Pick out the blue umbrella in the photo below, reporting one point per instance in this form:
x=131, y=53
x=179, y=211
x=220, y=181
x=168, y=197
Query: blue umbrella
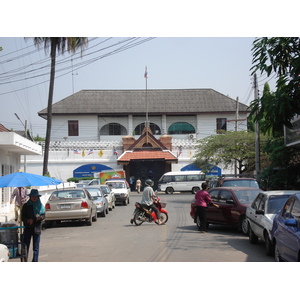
x=20, y=179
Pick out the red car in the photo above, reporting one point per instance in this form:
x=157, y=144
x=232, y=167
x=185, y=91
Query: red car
x=233, y=202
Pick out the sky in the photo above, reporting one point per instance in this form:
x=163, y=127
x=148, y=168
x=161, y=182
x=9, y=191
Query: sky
x=219, y=63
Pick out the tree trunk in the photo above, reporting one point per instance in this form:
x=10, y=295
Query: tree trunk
x=49, y=108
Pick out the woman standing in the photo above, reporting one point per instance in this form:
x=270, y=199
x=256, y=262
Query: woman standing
x=202, y=201
x=33, y=213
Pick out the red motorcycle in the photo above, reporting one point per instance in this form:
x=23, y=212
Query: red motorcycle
x=143, y=213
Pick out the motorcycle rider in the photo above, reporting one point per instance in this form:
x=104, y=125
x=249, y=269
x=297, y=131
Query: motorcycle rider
x=149, y=198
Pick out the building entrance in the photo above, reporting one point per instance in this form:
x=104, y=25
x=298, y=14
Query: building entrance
x=145, y=169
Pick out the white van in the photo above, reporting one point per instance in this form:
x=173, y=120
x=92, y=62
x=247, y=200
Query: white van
x=183, y=181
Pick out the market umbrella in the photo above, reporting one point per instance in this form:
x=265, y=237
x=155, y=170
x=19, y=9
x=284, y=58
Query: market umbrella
x=20, y=179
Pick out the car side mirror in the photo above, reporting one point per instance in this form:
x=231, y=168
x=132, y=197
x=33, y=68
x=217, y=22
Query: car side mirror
x=291, y=222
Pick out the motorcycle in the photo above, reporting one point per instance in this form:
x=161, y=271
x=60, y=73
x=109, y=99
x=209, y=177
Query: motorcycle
x=143, y=213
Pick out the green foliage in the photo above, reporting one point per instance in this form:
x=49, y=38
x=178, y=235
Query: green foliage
x=226, y=149
x=38, y=139
x=282, y=57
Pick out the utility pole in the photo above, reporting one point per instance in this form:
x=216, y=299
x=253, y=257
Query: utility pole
x=236, y=129
x=257, y=137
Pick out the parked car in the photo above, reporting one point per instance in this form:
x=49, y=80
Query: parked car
x=232, y=181
x=109, y=195
x=233, y=202
x=286, y=231
x=261, y=213
x=73, y=204
x=4, y=253
x=121, y=190
x=99, y=200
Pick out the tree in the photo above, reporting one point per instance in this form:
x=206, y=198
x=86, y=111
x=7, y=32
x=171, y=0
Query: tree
x=281, y=56
x=226, y=149
x=57, y=45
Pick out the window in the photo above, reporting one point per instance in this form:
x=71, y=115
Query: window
x=113, y=129
x=221, y=125
x=286, y=213
x=154, y=128
x=214, y=195
x=296, y=211
x=180, y=178
x=73, y=128
x=224, y=196
x=256, y=202
x=181, y=128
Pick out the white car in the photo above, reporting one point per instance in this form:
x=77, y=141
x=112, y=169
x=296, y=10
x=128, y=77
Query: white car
x=121, y=190
x=4, y=253
x=109, y=195
x=261, y=213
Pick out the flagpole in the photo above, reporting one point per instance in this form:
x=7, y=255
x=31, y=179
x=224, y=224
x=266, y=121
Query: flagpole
x=146, y=77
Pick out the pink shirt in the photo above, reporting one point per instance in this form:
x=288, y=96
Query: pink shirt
x=202, y=198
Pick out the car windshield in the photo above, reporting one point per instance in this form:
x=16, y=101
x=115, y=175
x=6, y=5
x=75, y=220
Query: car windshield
x=246, y=196
x=105, y=189
x=67, y=194
x=275, y=203
x=117, y=185
x=247, y=183
x=94, y=192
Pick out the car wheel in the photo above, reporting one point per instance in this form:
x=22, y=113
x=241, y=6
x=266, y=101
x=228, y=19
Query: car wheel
x=89, y=220
x=103, y=214
x=169, y=191
x=195, y=190
x=253, y=239
x=244, y=225
x=125, y=202
x=277, y=254
x=198, y=223
x=268, y=244
x=95, y=217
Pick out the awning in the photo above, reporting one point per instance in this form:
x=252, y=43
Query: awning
x=215, y=171
x=163, y=155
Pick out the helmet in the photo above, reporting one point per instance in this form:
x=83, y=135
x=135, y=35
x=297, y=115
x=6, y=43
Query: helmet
x=149, y=182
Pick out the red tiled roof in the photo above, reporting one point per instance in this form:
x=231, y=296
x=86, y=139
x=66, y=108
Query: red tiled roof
x=147, y=155
x=3, y=128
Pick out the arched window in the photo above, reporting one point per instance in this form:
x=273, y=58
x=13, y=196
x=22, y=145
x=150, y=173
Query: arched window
x=113, y=129
x=154, y=128
x=181, y=128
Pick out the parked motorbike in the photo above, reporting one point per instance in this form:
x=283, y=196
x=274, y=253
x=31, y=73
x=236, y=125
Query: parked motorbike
x=143, y=213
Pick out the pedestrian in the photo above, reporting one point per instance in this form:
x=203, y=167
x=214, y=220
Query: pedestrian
x=202, y=201
x=33, y=213
x=20, y=194
x=138, y=185
x=131, y=183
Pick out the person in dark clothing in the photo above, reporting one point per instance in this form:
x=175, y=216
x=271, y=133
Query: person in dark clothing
x=33, y=213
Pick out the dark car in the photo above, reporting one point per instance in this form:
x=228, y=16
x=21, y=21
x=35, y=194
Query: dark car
x=233, y=181
x=286, y=231
x=233, y=202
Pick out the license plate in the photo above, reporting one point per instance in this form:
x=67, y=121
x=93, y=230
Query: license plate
x=65, y=206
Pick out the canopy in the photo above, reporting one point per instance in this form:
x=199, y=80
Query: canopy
x=20, y=179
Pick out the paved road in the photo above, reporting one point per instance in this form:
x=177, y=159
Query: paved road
x=114, y=239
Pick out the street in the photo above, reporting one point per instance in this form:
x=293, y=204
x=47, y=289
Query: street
x=114, y=239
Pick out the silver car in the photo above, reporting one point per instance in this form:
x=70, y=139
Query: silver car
x=99, y=200
x=261, y=213
x=74, y=204
x=109, y=195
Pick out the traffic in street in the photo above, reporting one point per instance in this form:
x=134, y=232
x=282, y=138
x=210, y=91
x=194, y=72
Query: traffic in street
x=114, y=239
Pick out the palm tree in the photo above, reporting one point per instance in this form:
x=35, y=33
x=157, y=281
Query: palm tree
x=57, y=45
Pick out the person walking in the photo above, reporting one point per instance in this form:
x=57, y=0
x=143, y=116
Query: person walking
x=33, y=213
x=203, y=199
x=20, y=195
x=138, y=185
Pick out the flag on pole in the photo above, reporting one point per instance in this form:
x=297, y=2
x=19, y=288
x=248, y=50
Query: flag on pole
x=100, y=153
x=91, y=151
x=116, y=152
x=76, y=151
x=146, y=73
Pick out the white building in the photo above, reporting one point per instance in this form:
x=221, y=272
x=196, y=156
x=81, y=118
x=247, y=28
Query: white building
x=92, y=130
x=12, y=147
